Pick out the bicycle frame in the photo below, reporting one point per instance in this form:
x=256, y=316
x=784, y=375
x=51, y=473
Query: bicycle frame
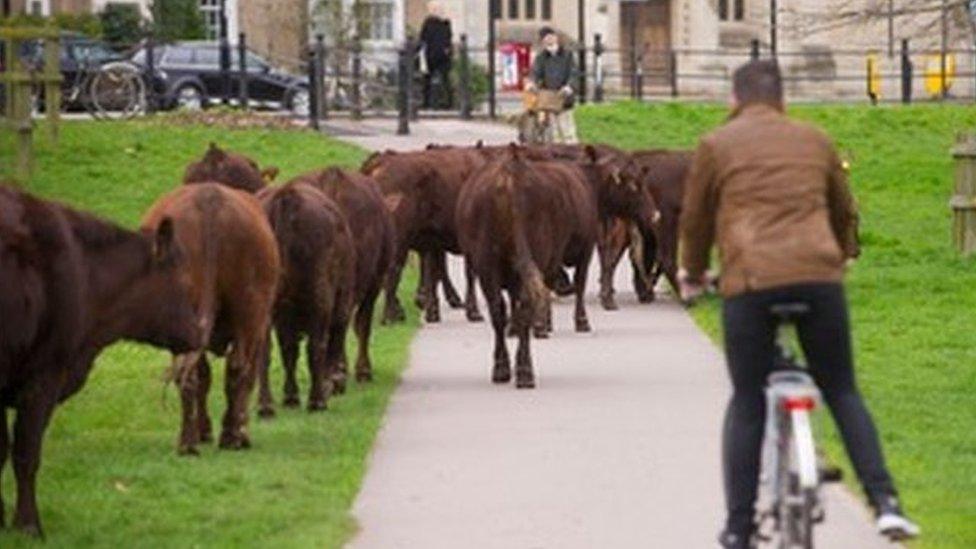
x=789, y=455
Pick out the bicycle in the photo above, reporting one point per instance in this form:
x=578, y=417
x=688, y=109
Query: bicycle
x=791, y=474
x=110, y=91
x=537, y=124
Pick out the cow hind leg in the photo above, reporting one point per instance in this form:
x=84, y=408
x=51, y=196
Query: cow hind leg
x=610, y=251
x=265, y=399
x=524, y=375
x=471, y=298
x=241, y=371
x=32, y=419
x=288, y=339
x=431, y=305
x=579, y=287
x=393, y=311
x=204, y=380
x=502, y=369
x=315, y=348
x=335, y=353
x=188, y=378
x=364, y=330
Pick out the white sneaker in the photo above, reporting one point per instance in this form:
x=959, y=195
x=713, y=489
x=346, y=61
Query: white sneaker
x=896, y=527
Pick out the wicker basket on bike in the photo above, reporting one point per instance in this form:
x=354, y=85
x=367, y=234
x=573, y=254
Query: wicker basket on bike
x=543, y=101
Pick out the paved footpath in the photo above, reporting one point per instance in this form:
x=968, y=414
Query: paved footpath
x=617, y=447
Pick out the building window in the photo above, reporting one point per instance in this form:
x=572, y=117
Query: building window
x=210, y=10
x=379, y=20
x=731, y=10
x=530, y=9
x=513, y=9
x=547, y=9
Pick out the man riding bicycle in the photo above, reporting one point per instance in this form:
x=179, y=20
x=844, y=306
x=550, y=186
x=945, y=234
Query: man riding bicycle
x=555, y=70
x=774, y=194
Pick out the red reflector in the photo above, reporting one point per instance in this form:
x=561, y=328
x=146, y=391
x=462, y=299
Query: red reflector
x=799, y=404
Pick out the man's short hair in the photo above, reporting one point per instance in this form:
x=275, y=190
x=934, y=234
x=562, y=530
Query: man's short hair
x=546, y=31
x=758, y=82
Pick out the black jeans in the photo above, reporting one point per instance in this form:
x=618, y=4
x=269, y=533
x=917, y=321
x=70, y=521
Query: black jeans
x=442, y=69
x=824, y=334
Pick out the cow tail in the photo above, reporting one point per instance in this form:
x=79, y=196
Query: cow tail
x=532, y=281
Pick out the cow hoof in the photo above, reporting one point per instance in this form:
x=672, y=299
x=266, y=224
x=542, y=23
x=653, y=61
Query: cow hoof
x=609, y=304
x=364, y=377
x=646, y=298
x=265, y=412
x=232, y=442
x=501, y=376
x=317, y=406
x=540, y=333
x=187, y=450
x=432, y=317
x=474, y=316
x=455, y=303
x=339, y=385
x=525, y=381
x=583, y=326
x=32, y=529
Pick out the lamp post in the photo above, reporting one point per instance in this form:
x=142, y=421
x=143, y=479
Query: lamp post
x=581, y=16
x=773, y=31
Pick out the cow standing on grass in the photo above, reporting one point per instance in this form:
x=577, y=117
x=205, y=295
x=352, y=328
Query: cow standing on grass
x=232, y=169
x=518, y=222
x=358, y=198
x=71, y=285
x=233, y=265
x=315, y=297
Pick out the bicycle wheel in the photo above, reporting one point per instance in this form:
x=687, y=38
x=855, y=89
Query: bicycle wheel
x=116, y=91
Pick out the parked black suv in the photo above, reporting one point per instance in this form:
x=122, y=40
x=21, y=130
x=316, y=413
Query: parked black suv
x=189, y=77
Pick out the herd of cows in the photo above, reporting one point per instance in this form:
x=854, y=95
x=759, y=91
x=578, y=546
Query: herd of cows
x=226, y=258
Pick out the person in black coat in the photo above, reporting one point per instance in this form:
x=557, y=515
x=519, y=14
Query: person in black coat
x=436, y=39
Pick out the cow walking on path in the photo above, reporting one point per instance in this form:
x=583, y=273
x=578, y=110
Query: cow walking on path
x=315, y=296
x=71, y=285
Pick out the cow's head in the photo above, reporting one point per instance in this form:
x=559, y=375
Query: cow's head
x=231, y=169
x=158, y=302
x=622, y=191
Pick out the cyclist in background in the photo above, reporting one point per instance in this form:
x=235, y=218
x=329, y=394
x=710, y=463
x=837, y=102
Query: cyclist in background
x=554, y=69
x=774, y=194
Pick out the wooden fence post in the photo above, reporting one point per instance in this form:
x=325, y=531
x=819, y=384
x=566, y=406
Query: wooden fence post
x=963, y=202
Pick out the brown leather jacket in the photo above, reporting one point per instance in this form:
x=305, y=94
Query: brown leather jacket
x=774, y=193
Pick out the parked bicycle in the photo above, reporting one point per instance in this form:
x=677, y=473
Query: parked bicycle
x=791, y=474
x=96, y=78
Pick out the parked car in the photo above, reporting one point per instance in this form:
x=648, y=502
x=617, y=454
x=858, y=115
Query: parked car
x=189, y=77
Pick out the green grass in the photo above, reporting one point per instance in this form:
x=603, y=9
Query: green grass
x=111, y=477
x=913, y=300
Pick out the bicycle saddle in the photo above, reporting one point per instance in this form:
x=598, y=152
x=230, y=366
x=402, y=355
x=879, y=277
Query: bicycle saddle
x=789, y=312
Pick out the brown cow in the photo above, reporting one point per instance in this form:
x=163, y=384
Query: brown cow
x=518, y=222
x=423, y=187
x=233, y=264
x=315, y=295
x=71, y=285
x=666, y=171
x=359, y=200
x=232, y=169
